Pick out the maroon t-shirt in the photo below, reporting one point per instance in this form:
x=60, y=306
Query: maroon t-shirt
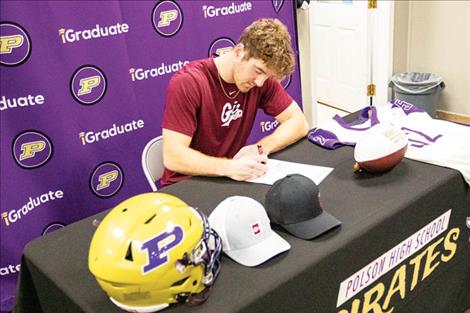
x=196, y=106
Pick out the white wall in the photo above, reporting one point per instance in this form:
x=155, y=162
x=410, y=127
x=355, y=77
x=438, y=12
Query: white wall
x=434, y=36
x=310, y=110
x=431, y=36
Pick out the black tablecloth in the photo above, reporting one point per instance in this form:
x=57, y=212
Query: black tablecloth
x=377, y=211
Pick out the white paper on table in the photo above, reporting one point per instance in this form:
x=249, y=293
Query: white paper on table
x=278, y=169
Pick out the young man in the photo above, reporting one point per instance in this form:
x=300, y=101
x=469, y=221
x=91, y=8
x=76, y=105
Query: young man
x=211, y=106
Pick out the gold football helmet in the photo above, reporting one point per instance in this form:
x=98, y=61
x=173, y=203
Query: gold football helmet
x=153, y=250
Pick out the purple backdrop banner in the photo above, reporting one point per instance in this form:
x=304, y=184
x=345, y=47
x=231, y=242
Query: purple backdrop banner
x=82, y=92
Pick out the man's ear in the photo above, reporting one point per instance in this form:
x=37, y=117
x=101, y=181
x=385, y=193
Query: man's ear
x=239, y=50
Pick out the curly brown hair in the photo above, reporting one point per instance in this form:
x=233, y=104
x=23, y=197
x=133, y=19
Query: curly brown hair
x=269, y=41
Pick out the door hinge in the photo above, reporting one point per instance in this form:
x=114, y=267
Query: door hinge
x=372, y=4
x=371, y=90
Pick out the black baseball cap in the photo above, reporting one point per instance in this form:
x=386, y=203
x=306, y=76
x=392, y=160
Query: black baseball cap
x=293, y=202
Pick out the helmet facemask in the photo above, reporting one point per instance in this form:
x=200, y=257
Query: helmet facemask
x=207, y=252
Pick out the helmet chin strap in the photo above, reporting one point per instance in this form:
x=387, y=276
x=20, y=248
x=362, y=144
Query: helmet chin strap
x=194, y=299
x=199, y=298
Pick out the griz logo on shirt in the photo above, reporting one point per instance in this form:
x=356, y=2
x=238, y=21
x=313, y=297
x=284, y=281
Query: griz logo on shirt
x=230, y=113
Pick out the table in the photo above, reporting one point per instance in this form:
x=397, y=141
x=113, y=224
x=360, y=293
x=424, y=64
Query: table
x=378, y=212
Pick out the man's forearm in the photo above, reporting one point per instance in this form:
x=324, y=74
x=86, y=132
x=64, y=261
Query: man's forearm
x=191, y=162
x=285, y=134
x=188, y=161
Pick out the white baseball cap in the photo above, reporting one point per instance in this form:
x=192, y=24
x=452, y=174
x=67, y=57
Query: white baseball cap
x=247, y=237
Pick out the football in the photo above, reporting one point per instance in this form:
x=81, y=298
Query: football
x=380, y=149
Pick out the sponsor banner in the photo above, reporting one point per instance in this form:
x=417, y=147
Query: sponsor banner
x=220, y=10
x=268, y=126
x=162, y=70
x=392, y=258
x=90, y=137
x=15, y=44
x=106, y=179
x=88, y=84
x=10, y=269
x=82, y=91
x=13, y=216
x=277, y=5
x=32, y=149
x=70, y=35
x=220, y=46
x=11, y=103
x=167, y=18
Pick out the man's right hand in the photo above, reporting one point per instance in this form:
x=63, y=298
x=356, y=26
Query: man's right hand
x=176, y=145
x=247, y=167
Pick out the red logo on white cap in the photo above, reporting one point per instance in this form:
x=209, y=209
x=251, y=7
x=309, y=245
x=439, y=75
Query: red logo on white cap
x=256, y=228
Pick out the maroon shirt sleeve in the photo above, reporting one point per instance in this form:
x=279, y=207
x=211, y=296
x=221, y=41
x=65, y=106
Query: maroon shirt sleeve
x=275, y=98
x=182, y=103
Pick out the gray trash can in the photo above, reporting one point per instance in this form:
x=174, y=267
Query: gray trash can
x=420, y=89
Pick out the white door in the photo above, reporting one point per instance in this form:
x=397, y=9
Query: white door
x=341, y=34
